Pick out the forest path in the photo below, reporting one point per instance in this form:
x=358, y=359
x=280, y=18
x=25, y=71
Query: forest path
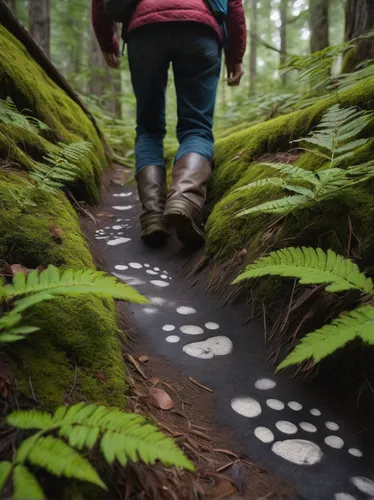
x=286, y=426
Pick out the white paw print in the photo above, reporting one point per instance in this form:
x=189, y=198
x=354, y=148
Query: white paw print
x=295, y=447
x=161, y=279
x=116, y=234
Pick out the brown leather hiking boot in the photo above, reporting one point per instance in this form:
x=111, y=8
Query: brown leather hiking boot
x=184, y=206
x=151, y=182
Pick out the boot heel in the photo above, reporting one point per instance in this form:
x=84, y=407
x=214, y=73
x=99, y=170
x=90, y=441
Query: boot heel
x=178, y=216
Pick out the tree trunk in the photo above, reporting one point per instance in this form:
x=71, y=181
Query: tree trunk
x=253, y=48
x=283, y=34
x=359, y=18
x=39, y=23
x=319, y=24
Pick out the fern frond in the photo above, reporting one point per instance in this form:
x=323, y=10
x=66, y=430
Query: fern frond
x=269, y=181
x=125, y=436
x=10, y=331
x=59, y=169
x=321, y=343
x=9, y=115
x=337, y=130
x=58, y=458
x=280, y=206
x=293, y=172
x=51, y=282
x=5, y=470
x=311, y=266
x=25, y=485
x=32, y=419
x=122, y=436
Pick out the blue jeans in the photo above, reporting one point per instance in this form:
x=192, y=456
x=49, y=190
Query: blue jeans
x=194, y=51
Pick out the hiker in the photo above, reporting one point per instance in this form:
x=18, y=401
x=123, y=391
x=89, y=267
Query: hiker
x=186, y=34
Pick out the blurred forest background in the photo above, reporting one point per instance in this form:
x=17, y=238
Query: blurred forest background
x=278, y=73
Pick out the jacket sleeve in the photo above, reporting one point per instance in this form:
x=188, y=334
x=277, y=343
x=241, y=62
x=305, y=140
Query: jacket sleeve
x=104, y=28
x=237, y=32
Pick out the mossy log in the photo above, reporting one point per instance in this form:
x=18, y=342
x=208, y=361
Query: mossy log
x=77, y=355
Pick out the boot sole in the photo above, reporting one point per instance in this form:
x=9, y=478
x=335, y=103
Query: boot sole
x=187, y=231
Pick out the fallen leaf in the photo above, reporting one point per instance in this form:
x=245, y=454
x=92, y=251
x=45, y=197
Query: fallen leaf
x=18, y=268
x=236, y=474
x=161, y=399
x=101, y=376
x=136, y=365
x=143, y=359
x=105, y=214
x=56, y=232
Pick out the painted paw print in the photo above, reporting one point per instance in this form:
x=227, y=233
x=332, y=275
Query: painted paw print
x=122, y=206
x=207, y=349
x=116, y=234
x=297, y=451
x=161, y=279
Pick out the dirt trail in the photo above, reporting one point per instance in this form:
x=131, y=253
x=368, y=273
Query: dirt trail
x=285, y=426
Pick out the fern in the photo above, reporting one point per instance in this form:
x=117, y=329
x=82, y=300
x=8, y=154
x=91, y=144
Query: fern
x=58, y=458
x=50, y=283
x=9, y=115
x=335, y=140
x=328, y=339
x=336, y=133
x=311, y=266
x=25, y=485
x=122, y=436
x=59, y=169
x=314, y=266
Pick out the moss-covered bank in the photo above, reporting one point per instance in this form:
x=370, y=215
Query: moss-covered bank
x=236, y=166
x=77, y=355
x=344, y=223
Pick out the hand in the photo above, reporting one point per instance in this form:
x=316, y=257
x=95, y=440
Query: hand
x=112, y=60
x=234, y=74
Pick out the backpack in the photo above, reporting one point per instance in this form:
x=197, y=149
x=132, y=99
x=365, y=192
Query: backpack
x=120, y=11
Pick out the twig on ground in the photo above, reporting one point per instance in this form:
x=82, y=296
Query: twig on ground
x=194, y=381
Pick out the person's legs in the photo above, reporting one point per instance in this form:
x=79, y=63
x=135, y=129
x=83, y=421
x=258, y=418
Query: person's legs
x=149, y=62
x=196, y=64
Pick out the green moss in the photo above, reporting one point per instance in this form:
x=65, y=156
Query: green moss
x=75, y=332
x=77, y=353
x=234, y=154
x=26, y=237
x=350, y=61
x=25, y=82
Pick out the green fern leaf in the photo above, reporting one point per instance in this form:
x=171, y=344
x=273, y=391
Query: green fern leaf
x=58, y=169
x=51, y=284
x=58, y=458
x=279, y=206
x=293, y=172
x=311, y=266
x=325, y=341
x=5, y=470
x=25, y=485
x=30, y=419
x=125, y=436
x=269, y=181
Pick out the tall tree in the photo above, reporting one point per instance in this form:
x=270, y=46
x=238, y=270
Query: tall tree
x=253, y=47
x=283, y=9
x=40, y=23
x=319, y=24
x=359, y=18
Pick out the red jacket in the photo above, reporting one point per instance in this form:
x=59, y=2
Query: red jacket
x=159, y=11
